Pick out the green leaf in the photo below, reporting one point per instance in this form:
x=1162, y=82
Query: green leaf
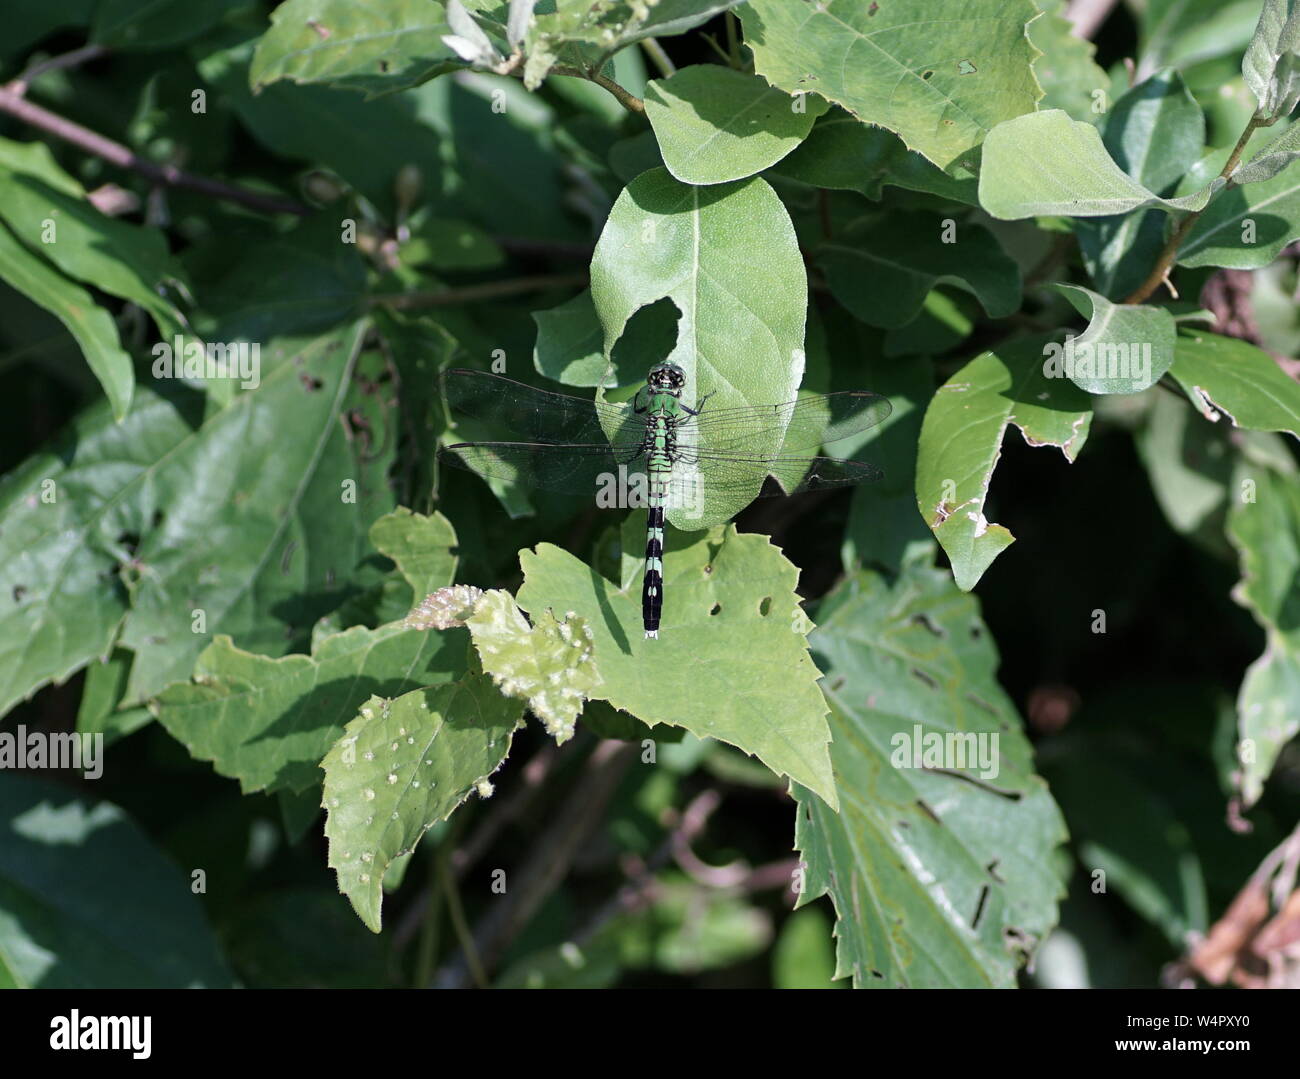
x=446, y=244
x=92, y=327
x=940, y=867
x=571, y=343
x=548, y=665
x=424, y=548
x=588, y=35
x=940, y=78
x=845, y=154
x=1126, y=348
x=1271, y=66
x=1179, y=33
x=715, y=124
x=266, y=722
x=804, y=954
x=731, y=618
x=109, y=536
x=1265, y=529
x=740, y=335
x=882, y=266
x=1225, y=375
x=1271, y=159
x=1066, y=71
x=88, y=902
x=961, y=440
x=378, y=47
x=1246, y=227
x=1155, y=133
x=149, y=25
x=1046, y=164
x=403, y=765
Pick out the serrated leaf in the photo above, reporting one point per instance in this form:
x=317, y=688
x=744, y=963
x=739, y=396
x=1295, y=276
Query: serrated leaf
x=1126, y=348
x=147, y=502
x=1046, y=164
x=401, y=766
x=941, y=876
x=961, y=440
x=731, y=618
x=716, y=124
x=88, y=901
x=547, y=665
x=424, y=548
x=938, y=76
x=267, y=722
x=845, y=154
x=377, y=48
x=1226, y=375
x=91, y=326
x=740, y=335
x=1265, y=529
x=1155, y=133
x=1066, y=70
x=883, y=265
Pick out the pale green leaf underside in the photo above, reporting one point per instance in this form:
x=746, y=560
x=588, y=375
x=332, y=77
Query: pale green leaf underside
x=961, y=440
x=401, y=766
x=1126, y=347
x=1046, y=164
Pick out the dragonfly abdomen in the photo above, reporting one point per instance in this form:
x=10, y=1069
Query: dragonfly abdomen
x=659, y=468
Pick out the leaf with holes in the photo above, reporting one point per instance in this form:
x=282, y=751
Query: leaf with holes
x=1224, y=375
x=401, y=766
x=731, y=619
x=940, y=861
x=961, y=441
x=939, y=76
x=1126, y=348
x=740, y=335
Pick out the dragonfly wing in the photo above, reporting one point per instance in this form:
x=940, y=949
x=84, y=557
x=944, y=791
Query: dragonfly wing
x=585, y=470
x=811, y=421
x=539, y=414
x=720, y=472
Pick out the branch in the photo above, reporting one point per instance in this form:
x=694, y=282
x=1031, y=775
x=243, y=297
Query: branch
x=1160, y=272
x=627, y=99
x=13, y=103
x=75, y=58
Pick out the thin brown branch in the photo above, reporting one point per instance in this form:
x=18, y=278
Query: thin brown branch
x=75, y=58
x=123, y=157
x=625, y=98
x=1164, y=265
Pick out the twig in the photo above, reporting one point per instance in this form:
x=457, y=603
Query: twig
x=488, y=290
x=123, y=157
x=626, y=98
x=75, y=58
x=1165, y=263
x=468, y=949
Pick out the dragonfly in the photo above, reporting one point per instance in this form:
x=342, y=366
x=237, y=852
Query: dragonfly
x=684, y=457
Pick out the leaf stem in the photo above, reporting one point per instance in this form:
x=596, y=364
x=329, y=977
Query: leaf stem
x=1160, y=272
x=627, y=99
x=468, y=948
x=427, y=949
x=661, y=59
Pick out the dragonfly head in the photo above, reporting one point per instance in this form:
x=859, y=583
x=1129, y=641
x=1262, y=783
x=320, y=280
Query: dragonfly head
x=667, y=378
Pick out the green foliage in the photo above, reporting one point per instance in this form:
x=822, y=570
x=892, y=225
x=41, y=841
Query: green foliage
x=266, y=594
